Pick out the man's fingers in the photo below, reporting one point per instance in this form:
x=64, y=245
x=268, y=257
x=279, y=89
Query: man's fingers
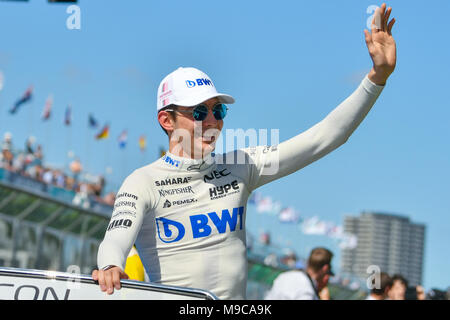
x=390, y=25
x=368, y=36
x=109, y=279
x=101, y=280
x=368, y=39
x=386, y=18
x=382, y=17
x=116, y=279
x=109, y=282
x=376, y=21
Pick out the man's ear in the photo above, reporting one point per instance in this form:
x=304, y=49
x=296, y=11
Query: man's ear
x=166, y=121
x=325, y=269
x=387, y=289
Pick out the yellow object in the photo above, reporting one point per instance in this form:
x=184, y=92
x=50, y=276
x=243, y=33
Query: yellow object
x=134, y=267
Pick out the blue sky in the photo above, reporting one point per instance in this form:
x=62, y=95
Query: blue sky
x=287, y=64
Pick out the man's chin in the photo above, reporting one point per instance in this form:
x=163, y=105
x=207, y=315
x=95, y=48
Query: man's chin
x=203, y=148
x=208, y=148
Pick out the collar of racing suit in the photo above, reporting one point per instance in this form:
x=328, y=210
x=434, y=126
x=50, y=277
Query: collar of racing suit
x=188, y=164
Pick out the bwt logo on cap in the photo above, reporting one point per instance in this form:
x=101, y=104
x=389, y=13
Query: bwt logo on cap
x=187, y=87
x=199, y=82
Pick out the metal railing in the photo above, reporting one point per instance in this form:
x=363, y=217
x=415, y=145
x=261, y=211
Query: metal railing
x=28, y=284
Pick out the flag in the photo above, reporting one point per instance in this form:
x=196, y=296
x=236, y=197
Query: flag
x=264, y=238
x=348, y=241
x=142, y=142
x=68, y=116
x=336, y=232
x=288, y=214
x=92, y=122
x=254, y=198
x=264, y=204
x=26, y=97
x=104, y=133
x=47, y=108
x=123, y=139
x=314, y=225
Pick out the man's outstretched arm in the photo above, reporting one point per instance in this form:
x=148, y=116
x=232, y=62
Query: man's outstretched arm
x=335, y=129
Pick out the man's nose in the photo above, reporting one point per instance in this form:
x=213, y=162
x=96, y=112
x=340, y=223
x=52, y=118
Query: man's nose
x=210, y=120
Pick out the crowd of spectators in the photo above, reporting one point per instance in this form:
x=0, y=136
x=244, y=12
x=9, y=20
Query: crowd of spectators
x=28, y=162
x=394, y=287
x=272, y=255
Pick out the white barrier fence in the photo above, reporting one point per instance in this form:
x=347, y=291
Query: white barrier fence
x=27, y=284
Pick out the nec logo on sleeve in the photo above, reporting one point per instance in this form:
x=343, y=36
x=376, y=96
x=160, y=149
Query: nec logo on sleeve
x=199, y=82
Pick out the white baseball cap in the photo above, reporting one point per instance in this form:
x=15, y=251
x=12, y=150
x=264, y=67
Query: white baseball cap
x=188, y=87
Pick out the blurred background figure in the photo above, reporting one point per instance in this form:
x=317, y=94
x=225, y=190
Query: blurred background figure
x=264, y=238
x=38, y=155
x=306, y=284
x=398, y=289
x=436, y=294
x=271, y=260
x=420, y=293
x=7, y=156
x=415, y=293
x=324, y=294
x=7, y=141
x=82, y=196
x=76, y=168
x=289, y=258
x=29, y=145
x=381, y=292
x=109, y=198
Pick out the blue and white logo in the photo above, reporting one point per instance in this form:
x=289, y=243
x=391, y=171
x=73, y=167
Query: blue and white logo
x=169, y=230
x=190, y=83
x=170, y=161
x=199, y=82
x=200, y=224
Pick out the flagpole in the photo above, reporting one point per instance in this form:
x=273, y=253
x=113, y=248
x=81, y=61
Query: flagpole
x=1, y=116
x=2, y=79
x=68, y=142
x=67, y=147
x=88, y=151
x=91, y=124
x=107, y=153
x=48, y=142
x=30, y=120
x=124, y=173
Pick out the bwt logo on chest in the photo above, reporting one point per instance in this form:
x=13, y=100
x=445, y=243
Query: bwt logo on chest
x=200, y=225
x=199, y=82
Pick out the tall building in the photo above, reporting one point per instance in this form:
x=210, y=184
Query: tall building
x=391, y=242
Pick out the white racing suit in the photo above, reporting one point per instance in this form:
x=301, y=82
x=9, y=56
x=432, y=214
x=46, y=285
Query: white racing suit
x=187, y=217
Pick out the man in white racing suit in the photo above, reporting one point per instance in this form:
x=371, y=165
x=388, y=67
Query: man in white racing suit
x=185, y=212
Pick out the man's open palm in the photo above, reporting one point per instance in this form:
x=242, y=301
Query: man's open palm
x=381, y=43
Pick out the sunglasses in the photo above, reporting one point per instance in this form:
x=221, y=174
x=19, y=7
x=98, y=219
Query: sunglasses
x=200, y=112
